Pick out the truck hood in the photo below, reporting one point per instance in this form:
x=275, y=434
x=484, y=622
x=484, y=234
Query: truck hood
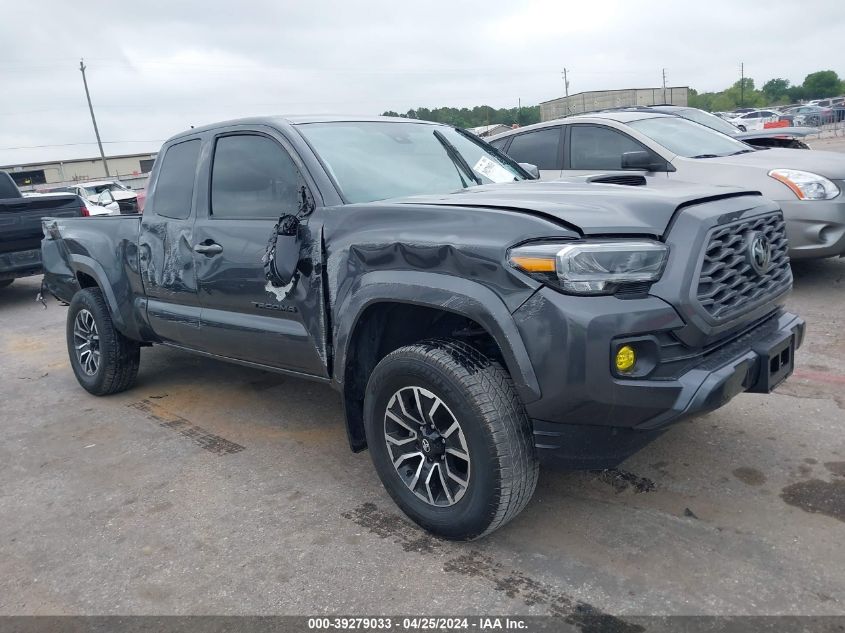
x=828, y=164
x=590, y=208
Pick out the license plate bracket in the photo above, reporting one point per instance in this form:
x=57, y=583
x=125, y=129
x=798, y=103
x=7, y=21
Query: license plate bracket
x=777, y=360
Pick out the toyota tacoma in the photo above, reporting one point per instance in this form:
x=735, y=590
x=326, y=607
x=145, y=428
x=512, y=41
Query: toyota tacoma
x=475, y=320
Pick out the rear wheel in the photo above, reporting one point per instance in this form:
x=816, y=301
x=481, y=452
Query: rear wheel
x=103, y=360
x=5, y=283
x=450, y=438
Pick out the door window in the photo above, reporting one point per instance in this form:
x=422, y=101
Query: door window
x=253, y=177
x=174, y=190
x=539, y=148
x=596, y=147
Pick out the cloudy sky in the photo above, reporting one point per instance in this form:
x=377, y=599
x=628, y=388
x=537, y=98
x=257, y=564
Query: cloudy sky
x=158, y=66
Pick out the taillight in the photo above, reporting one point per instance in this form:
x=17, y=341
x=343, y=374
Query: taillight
x=84, y=210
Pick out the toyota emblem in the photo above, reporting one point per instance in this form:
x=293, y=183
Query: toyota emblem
x=759, y=252
x=426, y=446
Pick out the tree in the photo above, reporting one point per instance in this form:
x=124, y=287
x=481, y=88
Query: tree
x=824, y=83
x=776, y=89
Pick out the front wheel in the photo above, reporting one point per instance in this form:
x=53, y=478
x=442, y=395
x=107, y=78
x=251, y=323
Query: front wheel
x=103, y=360
x=450, y=438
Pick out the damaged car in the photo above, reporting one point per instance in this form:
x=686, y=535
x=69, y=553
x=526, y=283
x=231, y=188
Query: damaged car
x=474, y=320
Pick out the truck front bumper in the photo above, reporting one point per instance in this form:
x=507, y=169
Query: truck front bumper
x=588, y=417
x=20, y=264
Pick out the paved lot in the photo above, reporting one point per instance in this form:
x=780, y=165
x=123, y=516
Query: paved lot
x=210, y=488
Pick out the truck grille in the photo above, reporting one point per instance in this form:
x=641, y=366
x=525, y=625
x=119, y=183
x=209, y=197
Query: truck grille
x=728, y=284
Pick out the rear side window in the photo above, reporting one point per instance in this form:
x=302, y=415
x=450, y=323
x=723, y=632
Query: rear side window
x=595, y=147
x=539, y=148
x=252, y=177
x=175, y=186
x=499, y=143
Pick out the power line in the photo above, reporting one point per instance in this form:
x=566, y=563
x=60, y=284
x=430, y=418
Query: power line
x=77, y=144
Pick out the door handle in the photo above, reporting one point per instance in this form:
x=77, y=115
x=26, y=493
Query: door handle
x=208, y=248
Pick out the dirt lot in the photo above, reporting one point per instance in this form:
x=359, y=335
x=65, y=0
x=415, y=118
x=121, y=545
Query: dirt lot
x=210, y=488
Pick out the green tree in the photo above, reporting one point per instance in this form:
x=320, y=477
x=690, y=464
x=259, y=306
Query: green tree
x=776, y=89
x=824, y=83
x=475, y=116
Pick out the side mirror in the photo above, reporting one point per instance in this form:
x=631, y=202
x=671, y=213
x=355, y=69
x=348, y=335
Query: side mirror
x=642, y=160
x=531, y=169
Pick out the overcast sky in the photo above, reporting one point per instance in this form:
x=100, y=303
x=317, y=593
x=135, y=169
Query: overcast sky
x=156, y=67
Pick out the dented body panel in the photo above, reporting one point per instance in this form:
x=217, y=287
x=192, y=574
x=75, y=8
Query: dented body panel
x=440, y=262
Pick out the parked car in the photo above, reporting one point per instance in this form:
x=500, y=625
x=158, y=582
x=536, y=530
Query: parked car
x=808, y=185
x=20, y=227
x=827, y=103
x=754, y=120
x=473, y=319
x=105, y=204
x=809, y=115
x=126, y=198
x=774, y=137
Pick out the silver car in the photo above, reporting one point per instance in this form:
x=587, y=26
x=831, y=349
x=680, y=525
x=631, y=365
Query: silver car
x=808, y=185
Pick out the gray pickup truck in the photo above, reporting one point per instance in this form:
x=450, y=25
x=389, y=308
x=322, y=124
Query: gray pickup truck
x=20, y=228
x=475, y=321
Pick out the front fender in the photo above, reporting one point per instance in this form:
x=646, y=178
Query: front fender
x=434, y=290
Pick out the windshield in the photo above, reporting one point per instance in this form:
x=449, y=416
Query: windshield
x=379, y=160
x=689, y=139
x=710, y=120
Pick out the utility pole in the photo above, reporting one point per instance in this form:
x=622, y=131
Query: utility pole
x=566, y=92
x=664, y=85
x=93, y=120
x=741, y=84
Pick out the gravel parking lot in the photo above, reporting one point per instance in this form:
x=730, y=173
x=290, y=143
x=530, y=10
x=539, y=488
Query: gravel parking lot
x=210, y=488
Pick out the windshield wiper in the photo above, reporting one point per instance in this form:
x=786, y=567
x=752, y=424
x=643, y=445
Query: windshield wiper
x=707, y=156
x=742, y=151
x=457, y=158
x=492, y=148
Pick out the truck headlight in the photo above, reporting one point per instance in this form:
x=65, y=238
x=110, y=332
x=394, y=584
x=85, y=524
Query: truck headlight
x=592, y=267
x=805, y=185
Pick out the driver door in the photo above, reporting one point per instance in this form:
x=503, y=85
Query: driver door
x=252, y=181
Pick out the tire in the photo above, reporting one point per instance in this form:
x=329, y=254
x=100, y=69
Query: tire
x=5, y=283
x=111, y=364
x=452, y=381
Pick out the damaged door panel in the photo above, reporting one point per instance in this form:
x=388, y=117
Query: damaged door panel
x=252, y=181
x=165, y=248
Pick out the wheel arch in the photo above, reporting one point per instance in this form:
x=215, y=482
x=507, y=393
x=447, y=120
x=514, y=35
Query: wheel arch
x=90, y=274
x=364, y=336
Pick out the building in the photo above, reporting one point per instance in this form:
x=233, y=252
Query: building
x=605, y=99
x=133, y=169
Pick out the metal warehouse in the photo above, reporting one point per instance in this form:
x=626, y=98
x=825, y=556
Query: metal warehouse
x=132, y=169
x=603, y=99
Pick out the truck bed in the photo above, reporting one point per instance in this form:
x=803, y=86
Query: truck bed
x=20, y=230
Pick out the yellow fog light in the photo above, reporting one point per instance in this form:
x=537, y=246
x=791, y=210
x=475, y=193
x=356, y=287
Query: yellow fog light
x=625, y=358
